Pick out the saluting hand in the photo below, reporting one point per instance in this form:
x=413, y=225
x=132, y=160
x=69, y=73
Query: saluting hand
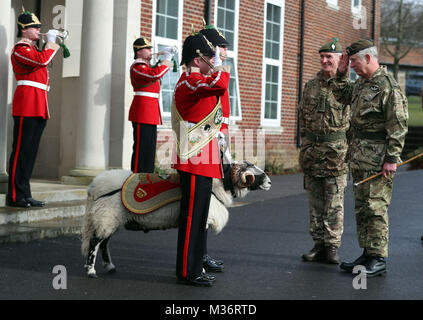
x=217, y=60
x=344, y=62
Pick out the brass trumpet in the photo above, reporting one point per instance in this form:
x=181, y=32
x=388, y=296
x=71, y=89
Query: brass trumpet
x=62, y=35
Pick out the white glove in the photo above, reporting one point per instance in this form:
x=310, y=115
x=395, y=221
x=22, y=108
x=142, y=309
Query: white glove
x=217, y=60
x=52, y=35
x=168, y=53
x=221, y=141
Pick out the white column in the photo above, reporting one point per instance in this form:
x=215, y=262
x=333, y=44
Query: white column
x=126, y=30
x=92, y=150
x=5, y=44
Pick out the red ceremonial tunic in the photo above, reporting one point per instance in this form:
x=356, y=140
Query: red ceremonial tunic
x=226, y=111
x=196, y=96
x=146, y=109
x=31, y=65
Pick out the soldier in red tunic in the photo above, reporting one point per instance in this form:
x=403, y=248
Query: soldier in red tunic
x=196, y=120
x=218, y=40
x=30, y=106
x=145, y=109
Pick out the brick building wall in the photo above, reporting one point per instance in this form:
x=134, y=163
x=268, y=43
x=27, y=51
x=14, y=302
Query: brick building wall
x=322, y=22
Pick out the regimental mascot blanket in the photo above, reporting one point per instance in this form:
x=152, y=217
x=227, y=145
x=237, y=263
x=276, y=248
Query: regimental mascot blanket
x=143, y=193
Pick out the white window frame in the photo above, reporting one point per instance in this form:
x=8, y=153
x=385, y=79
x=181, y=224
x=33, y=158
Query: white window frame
x=156, y=41
x=332, y=4
x=275, y=123
x=232, y=53
x=356, y=10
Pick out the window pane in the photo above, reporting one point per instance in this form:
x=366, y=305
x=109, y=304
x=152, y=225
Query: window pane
x=221, y=3
x=275, y=74
x=275, y=92
x=230, y=38
x=275, y=51
x=276, y=35
x=229, y=20
x=230, y=4
x=220, y=18
x=269, y=15
x=277, y=14
x=268, y=31
x=273, y=111
x=160, y=26
x=161, y=6
x=172, y=28
x=172, y=8
x=268, y=73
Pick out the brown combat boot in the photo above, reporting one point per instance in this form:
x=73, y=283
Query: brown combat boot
x=315, y=254
x=332, y=255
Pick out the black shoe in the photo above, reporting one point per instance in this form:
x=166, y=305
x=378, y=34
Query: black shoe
x=211, y=277
x=361, y=260
x=218, y=262
x=211, y=265
x=19, y=204
x=318, y=253
x=375, y=266
x=35, y=203
x=200, y=281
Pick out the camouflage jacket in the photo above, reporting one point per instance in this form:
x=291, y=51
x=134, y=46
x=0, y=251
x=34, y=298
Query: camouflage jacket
x=379, y=120
x=323, y=124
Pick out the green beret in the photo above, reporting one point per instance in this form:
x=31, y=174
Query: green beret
x=332, y=46
x=359, y=45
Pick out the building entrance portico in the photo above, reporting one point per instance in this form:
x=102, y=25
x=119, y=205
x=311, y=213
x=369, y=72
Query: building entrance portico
x=87, y=90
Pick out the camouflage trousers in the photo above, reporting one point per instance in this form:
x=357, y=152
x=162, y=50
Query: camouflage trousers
x=326, y=204
x=371, y=211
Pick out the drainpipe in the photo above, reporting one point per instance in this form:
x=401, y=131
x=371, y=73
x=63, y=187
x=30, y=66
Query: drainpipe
x=374, y=21
x=208, y=11
x=300, y=80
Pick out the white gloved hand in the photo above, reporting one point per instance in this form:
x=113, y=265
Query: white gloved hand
x=217, y=60
x=225, y=151
x=52, y=35
x=168, y=53
x=221, y=141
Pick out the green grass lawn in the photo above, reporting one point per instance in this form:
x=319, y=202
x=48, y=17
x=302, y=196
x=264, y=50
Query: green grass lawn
x=415, y=111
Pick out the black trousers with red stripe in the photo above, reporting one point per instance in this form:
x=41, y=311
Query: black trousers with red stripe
x=27, y=133
x=144, y=148
x=195, y=202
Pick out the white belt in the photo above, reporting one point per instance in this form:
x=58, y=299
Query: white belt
x=225, y=120
x=34, y=84
x=147, y=94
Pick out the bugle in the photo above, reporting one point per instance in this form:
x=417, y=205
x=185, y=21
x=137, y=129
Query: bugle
x=62, y=35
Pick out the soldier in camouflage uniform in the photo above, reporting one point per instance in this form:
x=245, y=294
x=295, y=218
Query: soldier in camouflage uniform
x=378, y=125
x=323, y=123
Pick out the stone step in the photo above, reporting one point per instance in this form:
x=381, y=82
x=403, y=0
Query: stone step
x=54, y=210
x=53, y=192
x=26, y=232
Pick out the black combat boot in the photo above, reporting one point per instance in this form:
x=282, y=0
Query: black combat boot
x=332, y=255
x=361, y=260
x=315, y=254
x=375, y=266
